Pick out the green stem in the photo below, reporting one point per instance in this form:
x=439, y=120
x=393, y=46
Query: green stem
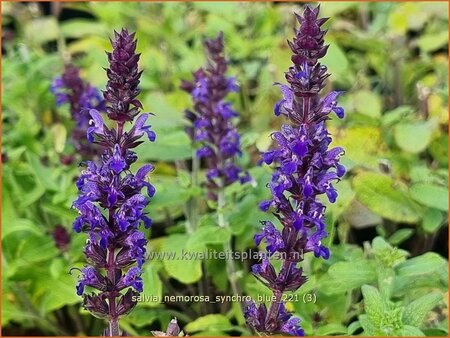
x=113, y=318
x=231, y=268
x=194, y=183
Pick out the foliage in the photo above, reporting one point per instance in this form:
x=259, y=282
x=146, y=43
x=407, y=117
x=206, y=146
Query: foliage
x=386, y=274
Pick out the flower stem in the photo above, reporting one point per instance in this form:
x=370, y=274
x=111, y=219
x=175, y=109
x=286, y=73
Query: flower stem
x=273, y=311
x=231, y=268
x=113, y=318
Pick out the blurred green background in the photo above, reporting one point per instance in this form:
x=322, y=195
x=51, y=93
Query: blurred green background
x=388, y=274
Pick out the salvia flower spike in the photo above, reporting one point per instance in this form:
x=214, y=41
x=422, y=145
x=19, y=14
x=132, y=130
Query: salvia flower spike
x=211, y=119
x=70, y=88
x=110, y=203
x=305, y=168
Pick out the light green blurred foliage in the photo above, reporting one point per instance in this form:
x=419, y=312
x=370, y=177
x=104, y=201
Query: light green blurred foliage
x=390, y=59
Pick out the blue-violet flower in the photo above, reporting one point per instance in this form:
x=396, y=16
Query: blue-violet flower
x=110, y=203
x=212, y=126
x=304, y=169
x=70, y=88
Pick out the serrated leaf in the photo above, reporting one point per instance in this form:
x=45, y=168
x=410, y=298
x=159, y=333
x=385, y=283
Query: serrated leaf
x=416, y=311
x=373, y=303
x=368, y=327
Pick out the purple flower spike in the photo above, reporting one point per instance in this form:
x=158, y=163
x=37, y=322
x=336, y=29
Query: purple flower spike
x=110, y=202
x=81, y=97
x=304, y=168
x=211, y=124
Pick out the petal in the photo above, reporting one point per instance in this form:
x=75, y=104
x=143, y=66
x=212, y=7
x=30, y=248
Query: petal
x=143, y=171
x=300, y=148
x=265, y=205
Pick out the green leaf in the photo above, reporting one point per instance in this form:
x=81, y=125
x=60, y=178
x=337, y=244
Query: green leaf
x=152, y=284
x=373, y=303
x=57, y=267
x=212, y=322
x=368, y=327
x=400, y=236
x=439, y=149
x=169, y=197
x=58, y=292
x=379, y=193
x=41, y=30
x=424, y=264
x=242, y=214
x=37, y=249
x=78, y=28
x=409, y=331
x=346, y=196
x=414, y=137
x=59, y=211
x=331, y=329
x=43, y=174
x=59, y=134
x=432, y=219
x=186, y=268
x=386, y=280
x=387, y=254
x=353, y=327
x=141, y=316
x=345, y=276
x=367, y=103
x=431, y=42
x=170, y=145
x=20, y=224
x=363, y=145
x=209, y=234
x=433, y=196
x=337, y=62
x=416, y=311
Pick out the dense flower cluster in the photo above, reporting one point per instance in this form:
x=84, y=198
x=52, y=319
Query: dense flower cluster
x=110, y=204
x=305, y=169
x=81, y=96
x=211, y=119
